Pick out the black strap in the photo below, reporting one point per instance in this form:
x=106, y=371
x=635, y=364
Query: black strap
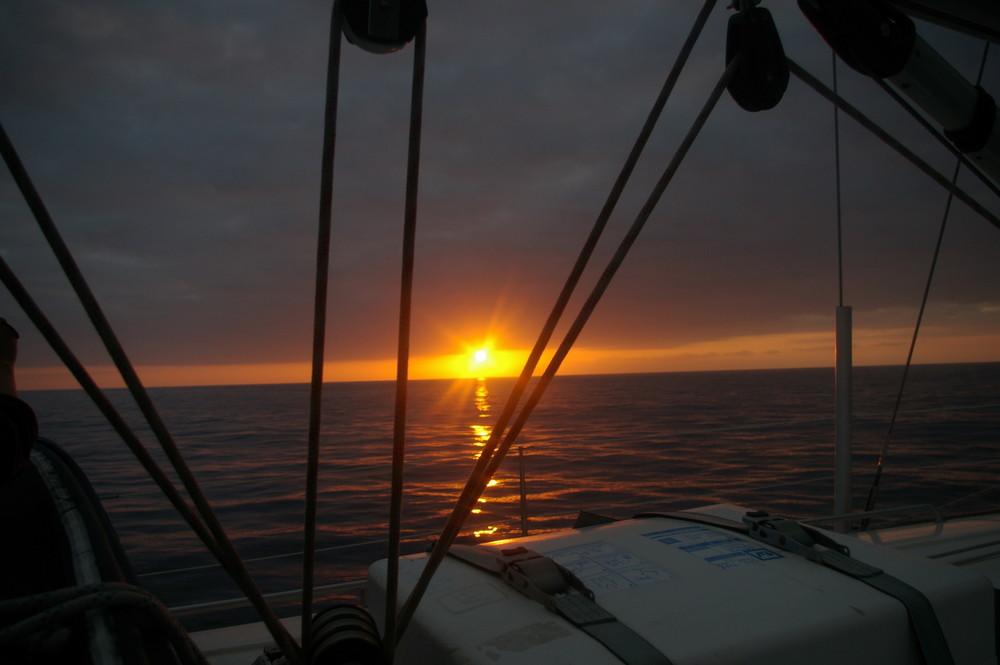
x=799, y=539
x=542, y=579
x=793, y=537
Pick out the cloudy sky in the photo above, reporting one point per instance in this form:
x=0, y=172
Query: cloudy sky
x=177, y=146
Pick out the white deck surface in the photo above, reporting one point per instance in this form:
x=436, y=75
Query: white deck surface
x=972, y=543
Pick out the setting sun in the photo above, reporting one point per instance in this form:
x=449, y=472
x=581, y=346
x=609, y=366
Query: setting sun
x=480, y=362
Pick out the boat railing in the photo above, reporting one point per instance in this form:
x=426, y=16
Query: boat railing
x=882, y=512
x=354, y=589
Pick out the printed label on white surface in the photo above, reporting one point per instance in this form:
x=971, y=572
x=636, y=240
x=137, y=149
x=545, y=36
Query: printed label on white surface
x=469, y=598
x=719, y=549
x=604, y=568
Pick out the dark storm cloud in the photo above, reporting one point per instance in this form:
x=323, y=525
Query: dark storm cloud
x=178, y=146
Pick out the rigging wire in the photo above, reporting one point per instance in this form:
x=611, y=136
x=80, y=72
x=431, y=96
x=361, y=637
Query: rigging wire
x=114, y=418
x=478, y=484
x=403, y=350
x=223, y=545
x=940, y=137
x=319, y=316
x=888, y=139
x=880, y=464
x=464, y=504
x=836, y=159
x=450, y=530
x=612, y=268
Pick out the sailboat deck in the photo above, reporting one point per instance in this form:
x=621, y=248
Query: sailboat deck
x=239, y=645
x=969, y=542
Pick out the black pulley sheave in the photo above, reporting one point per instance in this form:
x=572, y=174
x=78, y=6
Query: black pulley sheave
x=871, y=37
x=761, y=75
x=382, y=26
x=345, y=635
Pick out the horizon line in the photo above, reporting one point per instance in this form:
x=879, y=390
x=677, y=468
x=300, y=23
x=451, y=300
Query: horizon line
x=122, y=386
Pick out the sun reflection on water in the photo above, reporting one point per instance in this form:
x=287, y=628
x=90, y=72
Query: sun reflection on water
x=480, y=435
x=481, y=429
x=488, y=531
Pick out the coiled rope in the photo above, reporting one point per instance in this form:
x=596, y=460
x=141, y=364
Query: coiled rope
x=25, y=617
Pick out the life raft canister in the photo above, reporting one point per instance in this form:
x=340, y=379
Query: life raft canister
x=761, y=75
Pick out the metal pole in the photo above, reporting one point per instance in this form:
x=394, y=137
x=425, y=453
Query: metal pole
x=842, y=426
x=524, y=493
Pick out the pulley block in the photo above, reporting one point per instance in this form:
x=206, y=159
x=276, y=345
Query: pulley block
x=382, y=26
x=761, y=75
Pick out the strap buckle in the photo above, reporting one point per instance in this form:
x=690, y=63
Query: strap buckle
x=790, y=536
x=542, y=579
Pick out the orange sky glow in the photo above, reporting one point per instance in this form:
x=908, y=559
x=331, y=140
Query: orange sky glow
x=197, y=242
x=774, y=351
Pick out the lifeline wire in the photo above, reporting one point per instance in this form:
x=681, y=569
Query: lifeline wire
x=873, y=490
x=319, y=316
x=479, y=483
x=229, y=556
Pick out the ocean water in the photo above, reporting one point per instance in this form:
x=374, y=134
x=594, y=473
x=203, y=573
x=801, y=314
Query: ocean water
x=616, y=445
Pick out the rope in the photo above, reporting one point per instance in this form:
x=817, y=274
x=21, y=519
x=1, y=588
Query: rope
x=319, y=317
x=223, y=547
x=60, y=606
x=941, y=138
x=867, y=123
x=403, y=347
x=873, y=491
x=609, y=272
x=55, y=341
x=459, y=514
x=582, y=260
x=478, y=483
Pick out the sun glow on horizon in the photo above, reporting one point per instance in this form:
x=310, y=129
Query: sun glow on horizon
x=480, y=361
x=872, y=346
